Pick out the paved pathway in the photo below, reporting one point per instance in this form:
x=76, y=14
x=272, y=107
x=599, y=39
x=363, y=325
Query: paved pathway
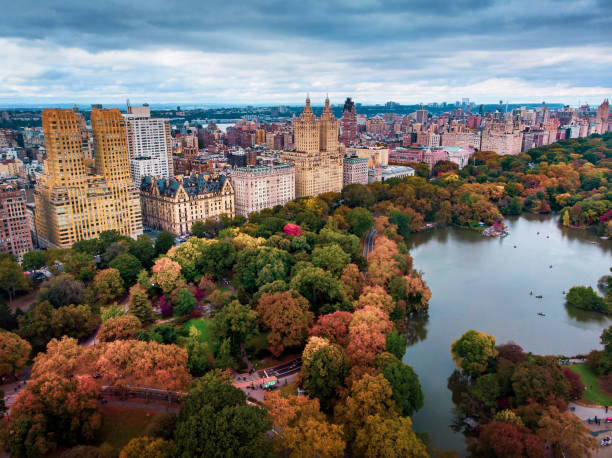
x=368, y=242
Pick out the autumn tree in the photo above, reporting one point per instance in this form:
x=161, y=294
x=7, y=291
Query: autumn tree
x=53, y=412
x=14, y=353
x=509, y=440
x=140, y=305
x=369, y=396
x=216, y=421
x=565, y=433
x=286, y=316
x=166, y=274
x=302, y=429
x=473, y=351
x=389, y=437
x=366, y=338
x=382, y=265
x=147, y=447
x=107, y=286
x=120, y=328
x=539, y=379
x=334, y=327
x=353, y=279
x=375, y=296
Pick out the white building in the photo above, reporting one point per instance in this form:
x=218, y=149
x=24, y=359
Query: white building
x=149, y=143
x=262, y=186
x=396, y=171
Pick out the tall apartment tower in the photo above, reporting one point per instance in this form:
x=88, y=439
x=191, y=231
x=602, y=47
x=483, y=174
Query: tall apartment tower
x=348, y=123
x=317, y=160
x=149, y=143
x=14, y=228
x=74, y=202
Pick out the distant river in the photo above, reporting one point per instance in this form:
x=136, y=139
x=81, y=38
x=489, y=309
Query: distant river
x=484, y=284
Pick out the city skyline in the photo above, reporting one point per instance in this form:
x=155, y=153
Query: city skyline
x=273, y=53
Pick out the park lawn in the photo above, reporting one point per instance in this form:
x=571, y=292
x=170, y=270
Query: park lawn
x=592, y=393
x=204, y=326
x=122, y=424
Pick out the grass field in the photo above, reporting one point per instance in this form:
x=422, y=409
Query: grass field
x=121, y=424
x=202, y=325
x=593, y=393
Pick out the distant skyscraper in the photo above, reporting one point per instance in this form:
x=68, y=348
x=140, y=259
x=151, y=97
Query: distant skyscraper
x=421, y=115
x=348, y=123
x=72, y=201
x=149, y=144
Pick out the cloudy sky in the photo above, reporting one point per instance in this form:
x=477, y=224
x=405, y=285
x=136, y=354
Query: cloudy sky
x=267, y=51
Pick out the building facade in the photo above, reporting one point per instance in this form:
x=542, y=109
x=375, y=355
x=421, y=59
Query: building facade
x=149, y=144
x=74, y=202
x=262, y=187
x=15, y=237
x=317, y=159
x=355, y=170
x=174, y=204
x=348, y=123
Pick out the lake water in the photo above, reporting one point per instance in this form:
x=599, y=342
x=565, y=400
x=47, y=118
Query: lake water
x=484, y=284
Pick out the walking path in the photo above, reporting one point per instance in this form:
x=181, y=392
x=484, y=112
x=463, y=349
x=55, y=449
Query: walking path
x=368, y=242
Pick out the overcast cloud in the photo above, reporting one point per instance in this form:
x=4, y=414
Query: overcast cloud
x=275, y=51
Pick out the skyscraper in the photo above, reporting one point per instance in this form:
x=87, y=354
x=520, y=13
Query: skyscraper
x=348, y=123
x=149, y=144
x=73, y=201
x=318, y=163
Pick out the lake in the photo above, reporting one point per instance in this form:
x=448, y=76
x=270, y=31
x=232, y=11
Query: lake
x=484, y=284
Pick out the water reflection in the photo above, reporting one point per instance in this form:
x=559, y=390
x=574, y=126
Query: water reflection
x=416, y=328
x=585, y=316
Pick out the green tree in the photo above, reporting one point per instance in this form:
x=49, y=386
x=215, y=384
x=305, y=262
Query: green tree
x=163, y=242
x=62, y=290
x=357, y=195
x=321, y=288
x=585, y=298
x=473, y=352
x=331, y=258
x=87, y=246
x=217, y=258
x=143, y=249
x=81, y=266
x=186, y=302
x=486, y=390
x=402, y=221
x=140, y=305
x=237, y=322
x=199, y=354
x=33, y=260
x=396, y=344
x=407, y=392
x=215, y=421
x=198, y=229
x=12, y=279
x=324, y=374
x=360, y=220
x=106, y=287
x=128, y=266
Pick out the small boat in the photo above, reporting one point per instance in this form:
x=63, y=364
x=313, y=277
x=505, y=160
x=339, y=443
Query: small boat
x=531, y=293
x=539, y=297
x=538, y=233
x=550, y=266
x=547, y=237
x=514, y=246
x=563, y=292
x=541, y=314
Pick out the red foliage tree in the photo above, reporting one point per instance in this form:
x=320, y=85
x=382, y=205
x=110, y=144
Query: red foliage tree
x=576, y=386
x=507, y=440
x=334, y=327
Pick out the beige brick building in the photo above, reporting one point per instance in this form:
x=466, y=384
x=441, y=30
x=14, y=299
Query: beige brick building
x=263, y=186
x=174, y=204
x=317, y=160
x=74, y=202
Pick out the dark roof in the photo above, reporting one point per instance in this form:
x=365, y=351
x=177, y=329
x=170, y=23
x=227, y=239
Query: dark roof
x=194, y=184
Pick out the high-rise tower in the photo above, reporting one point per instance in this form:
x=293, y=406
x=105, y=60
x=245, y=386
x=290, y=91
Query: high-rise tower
x=318, y=163
x=72, y=201
x=348, y=123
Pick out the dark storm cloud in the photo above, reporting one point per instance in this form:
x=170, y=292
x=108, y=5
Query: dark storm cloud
x=253, y=47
